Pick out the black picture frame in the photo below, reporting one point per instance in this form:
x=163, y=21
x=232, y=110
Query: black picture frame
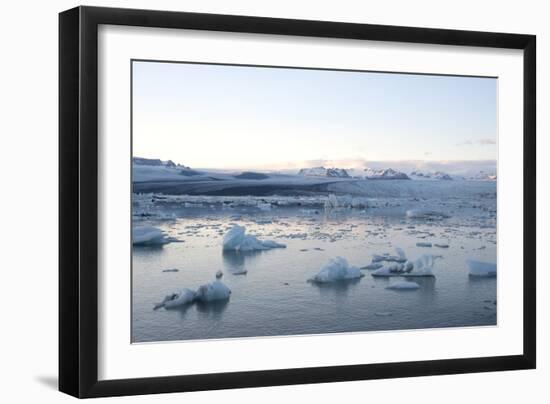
x=78, y=200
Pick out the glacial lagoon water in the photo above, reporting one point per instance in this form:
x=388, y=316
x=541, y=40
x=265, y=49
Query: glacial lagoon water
x=274, y=297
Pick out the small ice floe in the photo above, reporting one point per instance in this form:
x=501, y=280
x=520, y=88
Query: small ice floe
x=239, y=272
x=336, y=270
x=383, y=314
x=426, y=214
x=482, y=269
x=423, y=244
x=372, y=266
x=441, y=245
x=236, y=240
x=209, y=292
x=378, y=259
x=219, y=274
x=403, y=285
x=148, y=236
x=212, y=291
x=420, y=267
x=170, y=270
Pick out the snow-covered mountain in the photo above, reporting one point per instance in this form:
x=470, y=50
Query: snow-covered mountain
x=437, y=175
x=384, y=174
x=324, y=172
x=144, y=169
x=142, y=161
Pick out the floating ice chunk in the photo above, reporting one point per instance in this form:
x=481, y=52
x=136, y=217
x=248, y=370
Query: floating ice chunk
x=393, y=269
x=267, y=244
x=482, y=269
x=441, y=245
x=219, y=274
x=378, y=258
x=423, y=244
x=423, y=266
x=426, y=214
x=401, y=253
x=374, y=265
x=400, y=258
x=213, y=291
x=236, y=240
x=403, y=285
x=420, y=267
x=180, y=298
x=337, y=269
x=148, y=235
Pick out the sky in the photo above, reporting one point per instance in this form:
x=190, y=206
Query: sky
x=242, y=117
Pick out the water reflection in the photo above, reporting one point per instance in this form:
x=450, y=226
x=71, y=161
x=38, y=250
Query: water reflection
x=212, y=310
x=181, y=310
x=143, y=250
x=207, y=310
x=235, y=261
x=426, y=292
x=481, y=279
x=339, y=289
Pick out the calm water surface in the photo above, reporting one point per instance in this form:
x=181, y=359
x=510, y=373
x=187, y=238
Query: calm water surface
x=274, y=297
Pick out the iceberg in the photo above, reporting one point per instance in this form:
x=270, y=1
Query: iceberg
x=148, y=235
x=482, y=269
x=236, y=239
x=420, y=267
x=403, y=285
x=337, y=269
x=372, y=266
x=423, y=244
x=209, y=292
x=212, y=291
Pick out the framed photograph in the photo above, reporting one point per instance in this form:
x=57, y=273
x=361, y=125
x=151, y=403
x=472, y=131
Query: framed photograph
x=249, y=201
